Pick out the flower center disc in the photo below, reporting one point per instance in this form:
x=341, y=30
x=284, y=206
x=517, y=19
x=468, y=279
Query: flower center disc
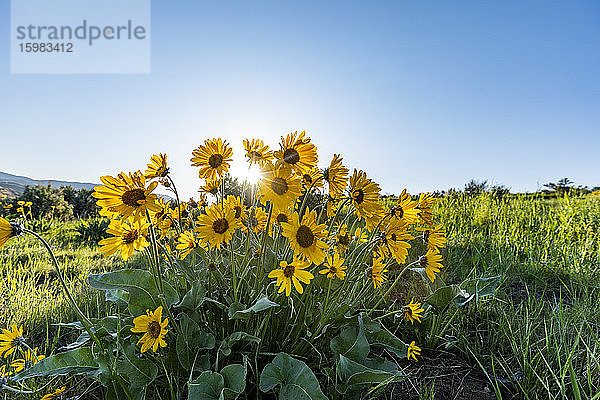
x=304, y=236
x=344, y=239
x=288, y=272
x=130, y=237
x=291, y=156
x=215, y=160
x=333, y=270
x=279, y=185
x=154, y=329
x=358, y=195
x=255, y=155
x=238, y=211
x=393, y=237
x=132, y=197
x=282, y=218
x=220, y=226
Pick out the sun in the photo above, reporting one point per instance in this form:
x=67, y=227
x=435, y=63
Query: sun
x=252, y=175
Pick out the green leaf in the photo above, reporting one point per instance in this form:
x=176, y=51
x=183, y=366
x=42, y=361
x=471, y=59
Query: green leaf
x=140, y=285
x=79, y=361
x=190, y=341
x=194, y=298
x=139, y=372
x=389, y=341
x=235, y=337
x=444, y=296
x=208, y=386
x=296, y=379
x=227, y=385
x=352, y=342
x=261, y=304
x=479, y=289
x=370, y=371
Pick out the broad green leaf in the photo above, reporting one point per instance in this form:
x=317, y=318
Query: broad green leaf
x=191, y=341
x=194, y=298
x=261, y=304
x=479, y=289
x=143, y=294
x=79, y=361
x=139, y=372
x=235, y=337
x=208, y=386
x=227, y=385
x=444, y=296
x=352, y=342
x=370, y=371
x=389, y=341
x=296, y=379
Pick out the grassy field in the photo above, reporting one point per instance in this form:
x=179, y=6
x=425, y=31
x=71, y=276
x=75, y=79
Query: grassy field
x=538, y=338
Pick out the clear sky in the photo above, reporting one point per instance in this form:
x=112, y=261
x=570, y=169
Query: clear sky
x=422, y=95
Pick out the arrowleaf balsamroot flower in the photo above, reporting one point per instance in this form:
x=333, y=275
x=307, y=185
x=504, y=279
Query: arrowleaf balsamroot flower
x=153, y=328
x=365, y=195
x=431, y=262
x=126, y=195
x=8, y=230
x=336, y=176
x=185, y=244
x=306, y=236
x=424, y=204
x=413, y=311
x=434, y=237
x=213, y=158
x=405, y=210
x=10, y=340
x=217, y=225
x=377, y=272
x=257, y=152
x=293, y=273
x=279, y=186
x=128, y=236
x=296, y=153
x=413, y=351
x=157, y=167
x=334, y=267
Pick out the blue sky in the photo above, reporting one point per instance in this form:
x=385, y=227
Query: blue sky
x=421, y=95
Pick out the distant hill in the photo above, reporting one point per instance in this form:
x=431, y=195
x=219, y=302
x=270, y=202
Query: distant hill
x=14, y=185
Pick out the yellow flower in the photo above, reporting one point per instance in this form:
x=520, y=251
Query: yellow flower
x=413, y=351
x=434, y=237
x=279, y=187
x=3, y=372
x=296, y=153
x=405, y=210
x=289, y=274
x=377, y=272
x=21, y=202
x=8, y=230
x=128, y=236
x=413, y=311
x=596, y=193
x=217, y=225
x=257, y=221
x=20, y=210
x=213, y=158
x=279, y=217
x=306, y=237
x=336, y=176
x=235, y=203
x=365, y=195
x=157, y=167
x=55, y=394
x=29, y=358
x=396, y=238
x=332, y=206
x=185, y=244
x=334, y=267
x=126, y=195
x=257, y=152
x=342, y=238
x=426, y=201
x=431, y=262
x=202, y=201
x=211, y=186
x=10, y=340
x=153, y=328
x=312, y=178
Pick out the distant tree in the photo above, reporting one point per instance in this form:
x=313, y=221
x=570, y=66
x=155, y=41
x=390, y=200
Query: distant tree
x=47, y=202
x=474, y=187
x=499, y=191
x=563, y=185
